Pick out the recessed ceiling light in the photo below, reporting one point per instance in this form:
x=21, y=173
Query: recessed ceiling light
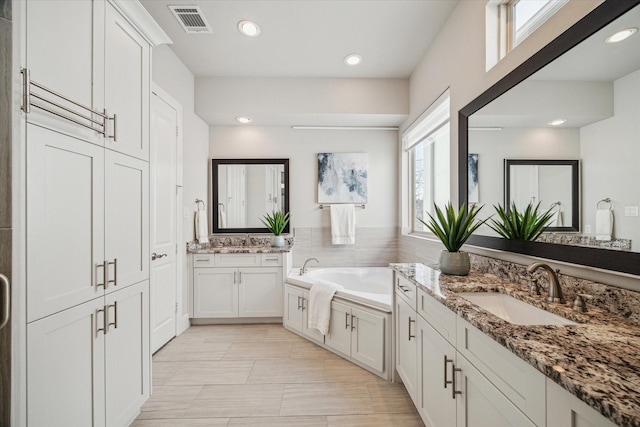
x=353, y=59
x=249, y=28
x=243, y=119
x=557, y=122
x=621, y=35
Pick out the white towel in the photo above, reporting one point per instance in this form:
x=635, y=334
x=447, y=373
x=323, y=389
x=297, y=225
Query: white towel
x=343, y=224
x=604, y=224
x=222, y=217
x=202, y=230
x=320, y=297
x=556, y=219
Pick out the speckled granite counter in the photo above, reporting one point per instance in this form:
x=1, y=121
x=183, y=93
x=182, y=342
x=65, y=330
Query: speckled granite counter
x=238, y=245
x=596, y=360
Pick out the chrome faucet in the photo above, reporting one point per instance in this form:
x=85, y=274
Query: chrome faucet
x=554, y=294
x=304, y=266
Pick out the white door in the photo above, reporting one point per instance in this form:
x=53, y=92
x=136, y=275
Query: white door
x=65, y=367
x=260, y=292
x=339, y=336
x=127, y=353
x=127, y=59
x=164, y=280
x=65, y=221
x=367, y=338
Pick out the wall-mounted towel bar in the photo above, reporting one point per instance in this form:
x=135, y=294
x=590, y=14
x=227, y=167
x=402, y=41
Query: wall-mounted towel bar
x=55, y=106
x=607, y=200
x=357, y=206
x=198, y=201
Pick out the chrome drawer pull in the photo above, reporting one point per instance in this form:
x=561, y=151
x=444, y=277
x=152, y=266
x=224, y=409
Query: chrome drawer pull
x=453, y=381
x=353, y=322
x=446, y=360
x=6, y=305
x=411, y=321
x=115, y=272
x=346, y=320
x=105, y=275
x=115, y=315
x=104, y=320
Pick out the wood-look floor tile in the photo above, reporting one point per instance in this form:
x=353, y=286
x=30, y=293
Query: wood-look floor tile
x=241, y=392
x=258, y=350
x=325, y=399
x=287, y=371
x=238, y=400
x=184, y=422
x=158, y=409
x=378, y=420
x=163, y=371
x=212, y=372
x=176, y=393
x=279, y=422
x=178, y=351
x=344, y=371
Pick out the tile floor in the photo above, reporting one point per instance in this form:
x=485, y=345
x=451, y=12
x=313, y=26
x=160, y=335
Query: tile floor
x=264, y=375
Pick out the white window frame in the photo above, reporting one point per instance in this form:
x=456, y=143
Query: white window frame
x=429, y=122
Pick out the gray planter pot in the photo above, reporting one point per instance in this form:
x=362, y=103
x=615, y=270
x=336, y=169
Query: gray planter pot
x=277, y=241
x=454, y=263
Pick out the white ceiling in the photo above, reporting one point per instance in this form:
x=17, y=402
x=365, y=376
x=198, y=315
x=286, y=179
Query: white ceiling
x=306, y=38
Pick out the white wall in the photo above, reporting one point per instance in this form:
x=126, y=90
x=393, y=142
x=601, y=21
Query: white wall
x=173, y=77
x=611, y=153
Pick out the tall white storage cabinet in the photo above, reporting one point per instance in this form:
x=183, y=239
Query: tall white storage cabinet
x=87, y=210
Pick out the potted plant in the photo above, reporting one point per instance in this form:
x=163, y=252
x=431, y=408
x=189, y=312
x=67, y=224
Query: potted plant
x=527, y=225
x=276, y=223
x=453, y=228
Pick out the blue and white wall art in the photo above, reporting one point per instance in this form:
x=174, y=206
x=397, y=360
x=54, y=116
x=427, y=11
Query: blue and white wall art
x=342, y=177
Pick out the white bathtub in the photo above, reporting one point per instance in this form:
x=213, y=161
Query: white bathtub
x=368, y=285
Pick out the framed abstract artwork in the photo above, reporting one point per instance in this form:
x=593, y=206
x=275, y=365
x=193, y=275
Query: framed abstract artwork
x=342, y=178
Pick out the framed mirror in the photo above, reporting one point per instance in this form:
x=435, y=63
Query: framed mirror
x=244, y=190
x=554, y=184
x=592, y=85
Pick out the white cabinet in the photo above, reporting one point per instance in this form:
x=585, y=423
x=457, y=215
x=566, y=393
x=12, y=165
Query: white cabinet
x=566, y=410
x=295, y=315
x=406, y=346
x=87, y=222
x=126, y=85
x=357, y=333
x=89, y=364
x=224, y=287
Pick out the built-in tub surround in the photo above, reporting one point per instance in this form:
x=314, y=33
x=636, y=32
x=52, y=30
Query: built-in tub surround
x=596, y=359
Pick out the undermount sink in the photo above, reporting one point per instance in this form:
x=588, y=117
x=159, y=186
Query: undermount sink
x=513, y=310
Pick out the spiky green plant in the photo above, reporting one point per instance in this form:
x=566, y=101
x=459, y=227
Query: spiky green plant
x=527, y=225
x=276, y=221
x=453, y=227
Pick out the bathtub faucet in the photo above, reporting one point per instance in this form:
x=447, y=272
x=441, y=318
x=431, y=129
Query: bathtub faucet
x=304, y=266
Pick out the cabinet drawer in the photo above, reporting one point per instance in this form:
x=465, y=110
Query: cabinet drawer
x=203, y=260
x=521, y=383
x=406, y=290
x=269, y=260
x=238, y=260
x=438, y=316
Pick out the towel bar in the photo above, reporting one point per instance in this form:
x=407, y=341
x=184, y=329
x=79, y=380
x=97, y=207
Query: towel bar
x=607, y=200
x=357, y=206
x=198, y=201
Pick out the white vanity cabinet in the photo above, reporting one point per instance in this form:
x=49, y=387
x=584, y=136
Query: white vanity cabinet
x=406, y=346
x=295, y=313
x=566, y=410
x=237, y=285
x=358, y=333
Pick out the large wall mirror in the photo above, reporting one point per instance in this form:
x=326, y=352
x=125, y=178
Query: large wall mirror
x=592, y=87
x=244, y=190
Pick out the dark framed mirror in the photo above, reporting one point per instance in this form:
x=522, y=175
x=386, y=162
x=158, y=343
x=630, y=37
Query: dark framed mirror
x=554, y=184
x=244, y=190
x=578, y=57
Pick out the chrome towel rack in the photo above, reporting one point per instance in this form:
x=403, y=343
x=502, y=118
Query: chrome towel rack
x=198, y=201
x=55, y=107
x=607, y=200
x=357, y=206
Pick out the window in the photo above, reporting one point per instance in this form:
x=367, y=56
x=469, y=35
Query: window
x=427, y=146
x=509, y=22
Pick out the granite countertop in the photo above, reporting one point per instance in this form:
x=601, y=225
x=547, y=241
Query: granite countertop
x=596, y=359
x=239, y=250
x=239, y=244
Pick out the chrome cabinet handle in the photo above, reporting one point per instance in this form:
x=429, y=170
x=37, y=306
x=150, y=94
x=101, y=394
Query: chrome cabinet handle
x=115, y=316
x=446, y=360
x=303, y=300
x=104, y=321
x=240, y=277
x=411, y=321
x=453, y=380
x=104, y=275
x=6, y=303
x=115, y=127
x=235, y=279
x=405, y=290
x=155, y=256
x=298, y=299
x=353, y=322
x=115, y=272
x=346, y=320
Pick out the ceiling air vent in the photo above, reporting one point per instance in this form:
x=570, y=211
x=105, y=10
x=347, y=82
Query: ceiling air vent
x=191, y=19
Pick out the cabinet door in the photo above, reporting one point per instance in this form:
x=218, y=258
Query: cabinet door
x=126, y=220
x=65, y=221
x=406, y=347
x=481, y=404
x=435, y=403
x=127, y=85
x=65, y=367
x=314, y=334
x=260, y=292
x=127, y=353
x=367, y=338
x=215, y=292
x=65, y=52
x=293, y=314
x=566, y=410
x=339, y=336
